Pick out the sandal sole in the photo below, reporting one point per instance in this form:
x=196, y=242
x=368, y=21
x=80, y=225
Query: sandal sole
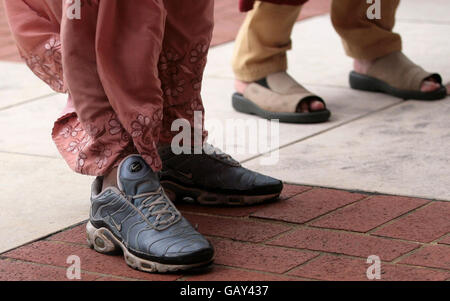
x=367, y=83
x=244, y=105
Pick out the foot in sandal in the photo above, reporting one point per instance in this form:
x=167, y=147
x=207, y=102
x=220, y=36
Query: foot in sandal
x=279, y=96
x=397, y=75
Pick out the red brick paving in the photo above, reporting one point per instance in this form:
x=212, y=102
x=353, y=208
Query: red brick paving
x=221, y=273
x=259, y=257
x=292, y=190
x=425, y=225
x=344, y=243
x=338, y=268
x=357, y=218
x=251, y=245
x=225, y=227
x=56, y=253
x=11, y=270
x=293, y=239
x=430, y=256
x=308, y=205
x=445, y=240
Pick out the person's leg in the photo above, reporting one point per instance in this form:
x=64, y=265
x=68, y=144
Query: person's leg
x=367, y=40
x=35, y=26
x=263, y=40
x=187, y=38
x=208, y=177
x=110, y=59
x=261, y=46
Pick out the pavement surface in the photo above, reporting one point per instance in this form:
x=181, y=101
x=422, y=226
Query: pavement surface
x=371, y=181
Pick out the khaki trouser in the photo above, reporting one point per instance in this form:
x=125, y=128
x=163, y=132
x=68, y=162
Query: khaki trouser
x=265, y=35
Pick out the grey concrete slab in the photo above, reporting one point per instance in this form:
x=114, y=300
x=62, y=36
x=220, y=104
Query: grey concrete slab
x=28, y=126
x=403, y=150
x=345, y=105
x=38, y=196
x=318, y=57
x=435, y=11
x=19, y=84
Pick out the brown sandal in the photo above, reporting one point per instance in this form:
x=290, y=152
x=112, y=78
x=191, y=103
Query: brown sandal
x=277, y=97
x=398, y=76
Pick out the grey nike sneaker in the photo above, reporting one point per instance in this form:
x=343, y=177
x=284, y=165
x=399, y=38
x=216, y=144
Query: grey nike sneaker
x=214, y=178
x=139, y=219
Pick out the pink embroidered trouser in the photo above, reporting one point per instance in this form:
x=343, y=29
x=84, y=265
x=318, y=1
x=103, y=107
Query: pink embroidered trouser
x=131, y=68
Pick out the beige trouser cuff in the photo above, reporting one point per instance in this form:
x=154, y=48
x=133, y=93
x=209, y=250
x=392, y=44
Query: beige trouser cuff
x=265, y=35
x=261, y=45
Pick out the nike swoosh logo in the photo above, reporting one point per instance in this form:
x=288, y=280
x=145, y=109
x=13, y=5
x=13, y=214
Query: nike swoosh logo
x=117, y=226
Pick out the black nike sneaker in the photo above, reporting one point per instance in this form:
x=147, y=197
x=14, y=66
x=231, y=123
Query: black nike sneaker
x=214, y=178
x=138, y=218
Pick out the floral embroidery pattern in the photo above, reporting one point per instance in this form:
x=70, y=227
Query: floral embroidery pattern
x=47, y=66
x=194, y=105
x=102, y=153
x=147, y=128
x=93, y=148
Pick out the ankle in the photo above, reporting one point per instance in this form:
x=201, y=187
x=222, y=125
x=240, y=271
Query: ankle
x=362, y=66
x=240, y=86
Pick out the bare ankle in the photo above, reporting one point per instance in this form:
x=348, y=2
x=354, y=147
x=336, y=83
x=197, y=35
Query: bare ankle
x=110, y=180
x=362, y=66
x=240, y=86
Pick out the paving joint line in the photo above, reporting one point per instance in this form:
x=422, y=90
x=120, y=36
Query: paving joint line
x=27, y=101
x=368, y=192
x=308, y=250
x=371, y=231
x=258, y=271
x=303, y=263
x=437, y=240
x=29, y=155
x=315, y=84
x=319, y=217
x=324, y=131
x=101, y=275
x=421, y=267
x=42, y=237
x=361, y=234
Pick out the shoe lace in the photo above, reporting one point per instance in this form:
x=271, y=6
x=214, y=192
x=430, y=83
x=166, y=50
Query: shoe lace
x=218, y=153
x=160, y=207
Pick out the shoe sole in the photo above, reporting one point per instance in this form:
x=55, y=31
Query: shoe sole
x=244, y=105
x=177, y=192
x=103, y=241
x=367, y=83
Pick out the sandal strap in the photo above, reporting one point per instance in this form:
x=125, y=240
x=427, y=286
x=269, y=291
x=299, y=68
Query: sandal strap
x=399, y=72
x=283, y=93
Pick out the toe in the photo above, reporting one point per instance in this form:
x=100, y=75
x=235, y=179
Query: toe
x=429, y=86
x=304, y=107
x=310, y=105
x=316, y=105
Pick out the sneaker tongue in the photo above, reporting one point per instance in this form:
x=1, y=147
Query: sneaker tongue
x=136, y=177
